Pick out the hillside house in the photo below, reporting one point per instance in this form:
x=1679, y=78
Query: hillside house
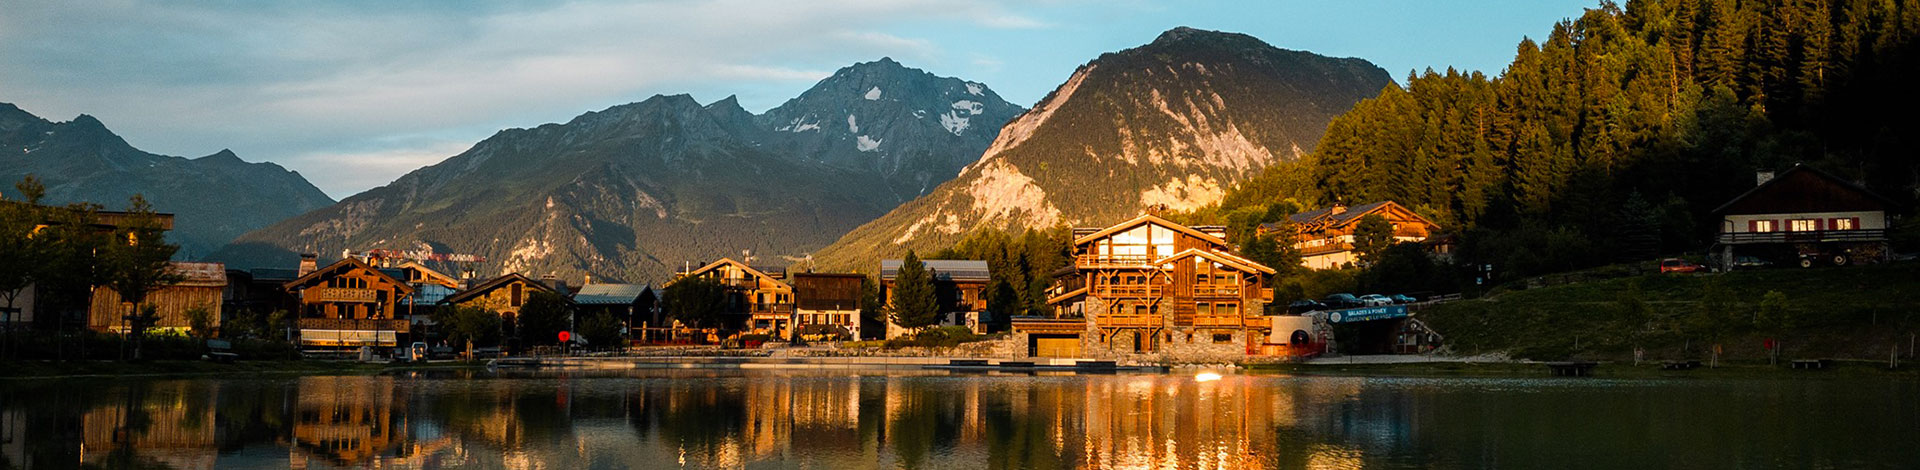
x=759, y=297
x=827, y=304
x=1325, y=237
x=960, y=285
x=201, y=286
x=1804, y=216
x=1149, y=285
x=348, y=304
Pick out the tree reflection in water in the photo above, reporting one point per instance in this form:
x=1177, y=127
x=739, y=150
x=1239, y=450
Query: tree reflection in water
x=912, y=420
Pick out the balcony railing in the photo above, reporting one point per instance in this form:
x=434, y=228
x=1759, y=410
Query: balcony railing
x=1126, y=290
x=1218, y=320
x=1216, y=290
x=764, y=309
x=1128, y=320
x=1814, y=236
x=339, y=294
x=354, y=324
x=1086, y=261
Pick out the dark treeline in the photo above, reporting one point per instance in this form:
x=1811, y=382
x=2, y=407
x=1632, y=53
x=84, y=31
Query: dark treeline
x=1614, y=138
x=1022, y=266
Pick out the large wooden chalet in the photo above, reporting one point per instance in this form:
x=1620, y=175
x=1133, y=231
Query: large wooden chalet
x=1325, y=237
x=349, y=304
x=1149, y=285
x=1804, y=216
x=759, y=297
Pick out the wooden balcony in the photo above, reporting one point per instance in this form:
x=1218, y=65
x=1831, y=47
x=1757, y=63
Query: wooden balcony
x=1216, y=290
x=354, y=324
x=1121, y=321
x=770, y=309
x=1219, y=320
x=1125, y=290
x=338, y=294
x=1814, y=236
x=1112, y=261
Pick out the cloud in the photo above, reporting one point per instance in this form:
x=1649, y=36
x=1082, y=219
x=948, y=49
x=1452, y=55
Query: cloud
x=300, y=82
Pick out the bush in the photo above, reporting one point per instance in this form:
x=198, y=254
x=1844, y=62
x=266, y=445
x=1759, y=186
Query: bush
x=940, y=337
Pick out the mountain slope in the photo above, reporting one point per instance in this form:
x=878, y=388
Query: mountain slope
x=214, y=198
x=1174, y=123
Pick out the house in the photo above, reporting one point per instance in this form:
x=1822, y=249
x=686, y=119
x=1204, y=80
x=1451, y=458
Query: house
x=1325, y=237
x=504, y=295
x=42, y=308
x=758, y=297
x=827, y=304
x=631, y=304
x=1804, y=216
x=1149, y=285
x=960, y=285
x=430, y=288
x=348, y=304
x=200, y=288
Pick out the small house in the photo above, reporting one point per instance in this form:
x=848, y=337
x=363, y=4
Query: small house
x=1804, y=216
x=1324, y=237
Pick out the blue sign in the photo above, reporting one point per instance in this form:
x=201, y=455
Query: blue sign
x=1367, y=314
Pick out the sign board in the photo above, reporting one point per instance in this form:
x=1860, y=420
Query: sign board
x=1367, y=314
x=564, y=336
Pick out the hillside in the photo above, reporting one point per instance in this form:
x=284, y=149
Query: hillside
x=214, y=198
x=634, y=191
x=1173, y=124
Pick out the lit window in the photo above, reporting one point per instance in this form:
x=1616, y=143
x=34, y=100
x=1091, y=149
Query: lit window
x=1843, y=224
x=1803, y=225
x=1763, y=226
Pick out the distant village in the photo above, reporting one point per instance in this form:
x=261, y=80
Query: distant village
x=1143, y=286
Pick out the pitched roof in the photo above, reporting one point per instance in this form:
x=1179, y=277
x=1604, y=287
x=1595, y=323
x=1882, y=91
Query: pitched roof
x=609, y=294
x=1228, y=259
x=1325, y=217
x=1805, y=189
x=943, y=269
x=496, y=283
x=199, y=274
x=430, y=274
x=349, y=263
x=1145, y=218
x=726, y=261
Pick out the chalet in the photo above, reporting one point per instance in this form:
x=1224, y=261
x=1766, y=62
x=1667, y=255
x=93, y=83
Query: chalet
x=960, y=285
x=348, y=304
x=39, y=307
x=631, y=304
x=430, y=287
x=1149, y=285
x=1804, y=216
x=504, y=295
x=827, y=304
x=200, y=288
x=1325, y=237
x=760, y=297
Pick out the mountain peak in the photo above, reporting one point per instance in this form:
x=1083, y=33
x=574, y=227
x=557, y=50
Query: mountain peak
x=1186, y=36
x=12, y=116
x=223, y=156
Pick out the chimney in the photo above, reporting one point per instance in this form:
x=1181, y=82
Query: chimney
x=309, y=263
x=1338, y=208
x=587, y=279
x=553, y=281
x=1762, y=177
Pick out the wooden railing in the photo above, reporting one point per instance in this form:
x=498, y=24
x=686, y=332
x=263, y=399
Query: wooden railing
x=763, y=309
x=1112, y=260
x=1126, y=290
x=1218, y=320
x=1128, y=320
x=353, y=324
x=339, y=294
x=1216, y=290
x=1815, y=236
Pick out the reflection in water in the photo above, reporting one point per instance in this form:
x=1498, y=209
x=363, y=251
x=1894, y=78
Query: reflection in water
x=734, y=419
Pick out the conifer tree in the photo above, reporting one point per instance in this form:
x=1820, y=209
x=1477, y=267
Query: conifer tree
x=915, y=305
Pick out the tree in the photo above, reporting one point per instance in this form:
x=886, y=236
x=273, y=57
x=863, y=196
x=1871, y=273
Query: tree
x=21, y=251
x=601, y=330
x=873, y=306
x=468, y=325
x=137, y=263
x=696, y=301
x=1371, y=237
x=915, y=304
x=543, y=317
x=200, y=322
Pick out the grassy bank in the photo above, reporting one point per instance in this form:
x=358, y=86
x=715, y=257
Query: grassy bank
x=52, y=369
x=1848, y=313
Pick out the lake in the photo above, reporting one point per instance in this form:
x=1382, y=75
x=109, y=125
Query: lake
x=845, y=420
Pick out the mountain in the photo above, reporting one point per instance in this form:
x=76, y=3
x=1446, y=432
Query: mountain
x=1172, y=124
x=214, y=198
x=637, y=190
x=910, y=129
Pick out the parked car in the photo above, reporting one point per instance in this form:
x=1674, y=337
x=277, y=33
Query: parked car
x=1375, y=300
x=1677, y=265
x=1304, y=306
x=1750, y=262
x=1342, y=301
x=1403, y=299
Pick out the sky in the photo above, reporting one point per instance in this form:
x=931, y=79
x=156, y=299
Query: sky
x=355, y=93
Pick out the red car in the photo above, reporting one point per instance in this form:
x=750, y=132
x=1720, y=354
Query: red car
x=1677, y=265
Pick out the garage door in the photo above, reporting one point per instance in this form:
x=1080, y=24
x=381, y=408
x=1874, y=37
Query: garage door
x=1056, y=347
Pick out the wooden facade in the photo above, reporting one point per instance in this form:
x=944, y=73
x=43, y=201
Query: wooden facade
x=960, y=287
x=824, y=301
x=201, y=287
x=1325, y=237
x=349, y=304
x=760, y=297
x=1147, y=282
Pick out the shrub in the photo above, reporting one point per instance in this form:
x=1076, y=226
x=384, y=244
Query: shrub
x=940, y=337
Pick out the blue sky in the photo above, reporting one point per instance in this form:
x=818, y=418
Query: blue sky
x=355, y=93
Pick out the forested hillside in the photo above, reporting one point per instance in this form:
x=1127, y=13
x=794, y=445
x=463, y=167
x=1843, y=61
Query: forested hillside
x=1615, y=136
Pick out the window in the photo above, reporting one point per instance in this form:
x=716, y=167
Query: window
x=1844, y=224
x=1222, y=338
x=1226, y=308
x=1203, y=309
x=517, y=295
x=1803, y=225
x=1761, y=226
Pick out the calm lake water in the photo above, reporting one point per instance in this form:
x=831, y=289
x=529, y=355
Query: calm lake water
x=846, y=420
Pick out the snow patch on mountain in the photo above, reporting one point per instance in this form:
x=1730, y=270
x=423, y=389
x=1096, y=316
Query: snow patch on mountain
x=866, y=144
x=974, y=88
x=797, y=125
x=873, y=94
x=954, y=122
x=971, y=107
x=853, y=125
